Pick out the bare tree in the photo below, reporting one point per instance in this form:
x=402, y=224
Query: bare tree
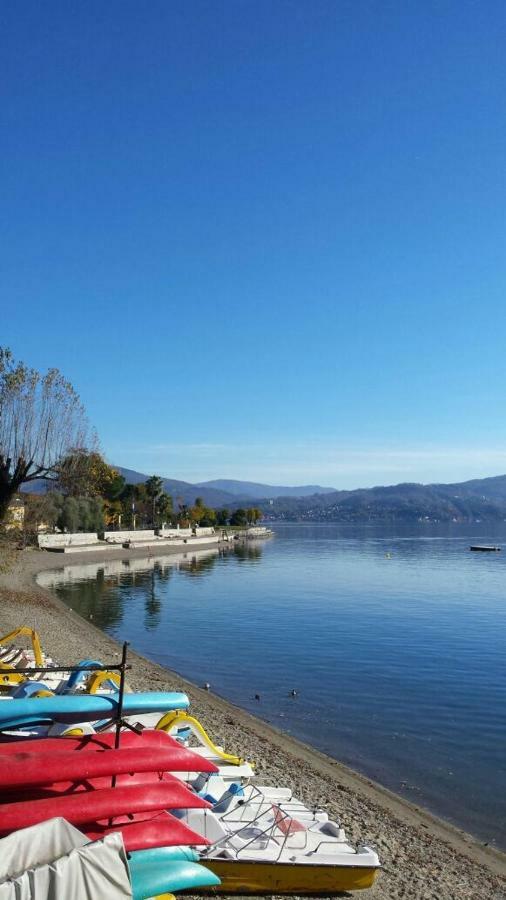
x=42, y=420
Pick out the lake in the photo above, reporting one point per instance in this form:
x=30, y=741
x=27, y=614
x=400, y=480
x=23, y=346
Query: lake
x=392, y=637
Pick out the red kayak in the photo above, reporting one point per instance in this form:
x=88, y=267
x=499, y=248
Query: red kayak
x=61, y=788
x=148, y=736
x=161, y=830
x=96, y=805
x=34, y=769
x=184, y=760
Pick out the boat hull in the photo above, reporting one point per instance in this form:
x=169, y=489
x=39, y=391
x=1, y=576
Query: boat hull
x=252, y=877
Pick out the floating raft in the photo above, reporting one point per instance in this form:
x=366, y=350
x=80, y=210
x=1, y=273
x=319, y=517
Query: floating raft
x=484, y=549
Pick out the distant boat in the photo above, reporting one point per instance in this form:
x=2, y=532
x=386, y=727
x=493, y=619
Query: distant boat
x=485, y=549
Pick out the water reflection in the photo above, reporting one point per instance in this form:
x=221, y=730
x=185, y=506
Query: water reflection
x=198, y=566
x=114, y=570
x=152, y=605
x=249, y=552
x=95, y=601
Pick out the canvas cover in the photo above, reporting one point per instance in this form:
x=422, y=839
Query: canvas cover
x=55, y=861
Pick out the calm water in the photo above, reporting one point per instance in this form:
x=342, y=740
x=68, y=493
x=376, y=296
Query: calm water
x=399, y=662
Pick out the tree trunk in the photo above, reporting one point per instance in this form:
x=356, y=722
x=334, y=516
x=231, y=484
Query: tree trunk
x=7, y=492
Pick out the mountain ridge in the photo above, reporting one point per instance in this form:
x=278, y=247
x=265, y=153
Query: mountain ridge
x=254, y=489
x=478, y=498
x=483, y=499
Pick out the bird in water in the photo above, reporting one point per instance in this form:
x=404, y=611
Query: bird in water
x=257, y=696
x=207, y=686
x=293, y=693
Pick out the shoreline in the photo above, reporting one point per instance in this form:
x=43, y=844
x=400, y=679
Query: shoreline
x=422, y=856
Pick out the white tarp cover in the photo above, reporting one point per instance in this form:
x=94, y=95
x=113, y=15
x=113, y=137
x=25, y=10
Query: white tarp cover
x=54, y=861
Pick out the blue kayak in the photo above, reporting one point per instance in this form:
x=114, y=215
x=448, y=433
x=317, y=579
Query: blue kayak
x=71, y=708
x=151, y=878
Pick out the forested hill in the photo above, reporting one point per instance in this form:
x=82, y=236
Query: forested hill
x=483, y=499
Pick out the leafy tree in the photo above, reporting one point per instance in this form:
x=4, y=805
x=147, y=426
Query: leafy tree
x=200, y=514
x=42, y=509
x=86, y=474
x=222, y=516
x=41, y=421
x=113, y=512
x=69, y=517
x=154, y=488
x=208, y=519
x=164, y=506
x=184, y=515
x=97, y=514
x=239, y=517
x=81, y=514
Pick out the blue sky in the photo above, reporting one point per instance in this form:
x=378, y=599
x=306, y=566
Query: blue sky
x=263, y=240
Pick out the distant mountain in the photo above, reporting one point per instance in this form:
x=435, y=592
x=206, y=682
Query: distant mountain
x=252, y=490
x=223, y=492
x=183, y=490
x=467, y=501
x=483, y=499
x=489, y=488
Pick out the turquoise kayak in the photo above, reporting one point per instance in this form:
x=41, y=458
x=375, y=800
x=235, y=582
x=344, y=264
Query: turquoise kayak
x=161, y=855
x=154, y=877
x=71, y=708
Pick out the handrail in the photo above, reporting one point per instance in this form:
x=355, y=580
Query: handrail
x=180, y=717
x=268, y=831
x=29, y=632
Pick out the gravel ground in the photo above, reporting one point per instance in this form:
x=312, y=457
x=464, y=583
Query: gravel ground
x=423, y=857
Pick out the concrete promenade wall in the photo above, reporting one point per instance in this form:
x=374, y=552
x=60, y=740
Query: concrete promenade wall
x=56, y=541
x=121, y=537
x=174, y=532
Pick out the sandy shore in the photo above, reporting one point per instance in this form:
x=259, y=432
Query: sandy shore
x=423, y=857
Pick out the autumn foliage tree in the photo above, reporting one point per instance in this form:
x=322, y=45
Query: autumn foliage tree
x=85, y=473
x=41, y=421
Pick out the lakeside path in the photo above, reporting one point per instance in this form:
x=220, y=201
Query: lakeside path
x=424, y=858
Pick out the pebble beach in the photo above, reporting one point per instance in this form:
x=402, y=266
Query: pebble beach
x=423, y=857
